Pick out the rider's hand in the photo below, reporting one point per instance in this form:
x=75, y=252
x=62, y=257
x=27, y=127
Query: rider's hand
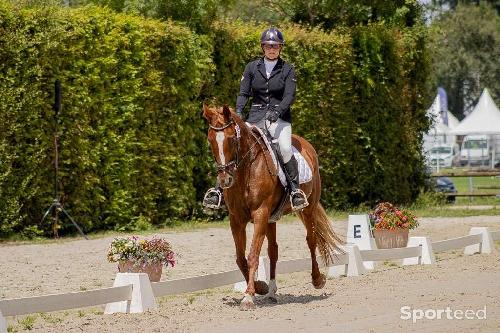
x=272, y=115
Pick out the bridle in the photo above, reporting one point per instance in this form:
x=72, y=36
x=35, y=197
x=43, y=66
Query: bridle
x=236, y=161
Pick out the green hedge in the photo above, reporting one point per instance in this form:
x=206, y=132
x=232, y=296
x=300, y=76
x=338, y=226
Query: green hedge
x=130, y=92
x=359, y=101
x=132, y=139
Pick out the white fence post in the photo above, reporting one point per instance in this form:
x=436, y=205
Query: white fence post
x=355, y=266
x=427, y=256
x=263, y=274
x=486, y=245
x=3, y=324
x=337, y=270
x=358, y=232
x=143, y=298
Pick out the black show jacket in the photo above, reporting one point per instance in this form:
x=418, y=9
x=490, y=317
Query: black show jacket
x=278, y=91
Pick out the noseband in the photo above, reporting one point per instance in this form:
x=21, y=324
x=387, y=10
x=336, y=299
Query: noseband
x=235, y=162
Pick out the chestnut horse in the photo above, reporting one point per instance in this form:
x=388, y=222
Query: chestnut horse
x=252, y=190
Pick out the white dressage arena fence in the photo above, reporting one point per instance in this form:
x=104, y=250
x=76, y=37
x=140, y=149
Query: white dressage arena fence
x=58, y=302
x=133, y=292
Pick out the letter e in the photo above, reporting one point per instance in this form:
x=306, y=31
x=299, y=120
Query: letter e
x=357, y=231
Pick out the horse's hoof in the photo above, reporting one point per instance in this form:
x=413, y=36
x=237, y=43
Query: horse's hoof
x=247, y=303
x=320, y=282
x=261, y=288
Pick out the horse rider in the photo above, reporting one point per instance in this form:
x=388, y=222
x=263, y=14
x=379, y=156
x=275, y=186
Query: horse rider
x=271, y=84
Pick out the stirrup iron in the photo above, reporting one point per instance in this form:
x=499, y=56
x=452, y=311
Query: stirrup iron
x=299, y=207
x=208, y=194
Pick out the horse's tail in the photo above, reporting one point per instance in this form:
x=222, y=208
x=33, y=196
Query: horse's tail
x=327, y=241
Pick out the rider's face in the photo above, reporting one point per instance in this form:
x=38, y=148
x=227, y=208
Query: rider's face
x=271, y=51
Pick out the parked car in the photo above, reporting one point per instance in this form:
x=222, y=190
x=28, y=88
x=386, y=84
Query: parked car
x=477, y=149
x=445, y=185
x=442, y=154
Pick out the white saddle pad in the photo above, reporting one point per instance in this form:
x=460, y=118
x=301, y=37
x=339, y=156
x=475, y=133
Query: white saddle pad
x=305, y=173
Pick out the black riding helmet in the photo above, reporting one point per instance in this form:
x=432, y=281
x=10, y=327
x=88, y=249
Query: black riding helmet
x=272, y=36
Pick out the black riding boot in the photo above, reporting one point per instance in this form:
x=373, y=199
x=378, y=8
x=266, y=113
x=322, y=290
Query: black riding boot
x=298, y=198
x=214, y=198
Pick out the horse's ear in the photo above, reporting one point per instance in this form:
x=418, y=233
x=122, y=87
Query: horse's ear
x=206, y=111
x=226, y=112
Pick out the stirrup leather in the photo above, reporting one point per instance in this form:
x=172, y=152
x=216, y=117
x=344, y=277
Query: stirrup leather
x=208, y=194
x=299, y=207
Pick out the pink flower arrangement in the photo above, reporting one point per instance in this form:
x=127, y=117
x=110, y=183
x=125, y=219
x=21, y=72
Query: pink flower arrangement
x=141, y=251
x=387, y=216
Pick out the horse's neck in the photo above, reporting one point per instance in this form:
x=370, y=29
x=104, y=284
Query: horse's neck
x=246, y=134
x=253, y=165
x=251, y=146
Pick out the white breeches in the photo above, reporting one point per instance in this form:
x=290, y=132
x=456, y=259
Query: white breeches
x=282, y=132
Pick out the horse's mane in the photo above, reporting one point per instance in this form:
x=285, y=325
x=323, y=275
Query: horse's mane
x=241, y=123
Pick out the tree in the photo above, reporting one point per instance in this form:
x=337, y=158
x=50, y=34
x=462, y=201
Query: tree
x=332, y=13
x=197, y=14
x=465, y=44
x=452, y=4
x=327, y=13
x=255, y=10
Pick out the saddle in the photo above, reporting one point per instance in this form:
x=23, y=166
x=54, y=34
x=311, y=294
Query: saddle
x=305, y=172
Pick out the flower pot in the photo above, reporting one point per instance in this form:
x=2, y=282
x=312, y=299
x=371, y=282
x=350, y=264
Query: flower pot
x=153, y=270
x=390, y=238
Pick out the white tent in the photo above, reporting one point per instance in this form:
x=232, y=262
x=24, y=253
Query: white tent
x=452, y=120
x=439, y=132
x=439, y=129
x=438, y=141
x=436, y=114
x=484, y=119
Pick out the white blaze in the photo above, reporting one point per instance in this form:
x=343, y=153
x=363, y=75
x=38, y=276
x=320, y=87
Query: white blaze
x=220, y=143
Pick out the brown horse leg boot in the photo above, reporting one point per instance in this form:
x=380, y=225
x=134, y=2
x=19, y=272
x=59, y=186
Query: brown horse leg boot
x=298, y=198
